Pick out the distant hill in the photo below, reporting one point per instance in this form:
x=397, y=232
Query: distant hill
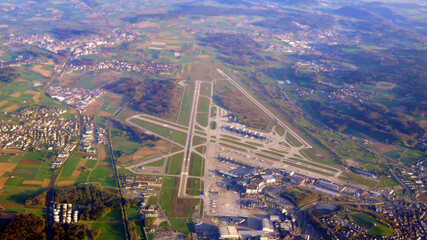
x=357, y=12
x=298, y=2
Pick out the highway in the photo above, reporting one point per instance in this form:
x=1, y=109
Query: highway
x=265, y=110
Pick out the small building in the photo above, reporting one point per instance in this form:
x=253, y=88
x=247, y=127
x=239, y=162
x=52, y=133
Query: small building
x=268, y=179
x=267, y=225
x=251, y=189
x=228, y=232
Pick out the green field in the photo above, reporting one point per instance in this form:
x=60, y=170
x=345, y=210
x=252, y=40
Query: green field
x=69, y=167
x=15, y=197
x=184, y=113
x=203, y=105
x=127, y=148
x=158, y=163
x=103, y=175
x=113, y=215
x=25, y=171
x=184, y=225
x=205, y=89
x=239, y=143
x=198, y=140
x=213, y=111
x=370, y=223
x=177, y=136
x=293, y=141
x=279, y=130
x=355, y=178
x=90, y=163
x=152, y=200
x=132, y=213
x=33, y=156
x=5, y=158
x=202, y=119
x=175, y=164
x=196, y=165
x=170, y=182
x=165, y=199
x=109, y=230
x=194, y=187
x=273, y=153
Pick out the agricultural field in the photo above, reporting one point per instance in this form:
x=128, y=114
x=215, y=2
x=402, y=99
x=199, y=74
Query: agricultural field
x=74, y=171
x=197, y=165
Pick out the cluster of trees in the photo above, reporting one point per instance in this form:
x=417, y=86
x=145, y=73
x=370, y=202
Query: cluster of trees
x=62, y=231
x=65, y=33
x=237, y=49
x=38, y=200
x=84, y=61
x=31, y=226
x=8, y=75
x=371, y=119
x=151, y=96
x=25, y=226
x=299, y=196
x=98, y=200
x=405, y=67
x=145, y=139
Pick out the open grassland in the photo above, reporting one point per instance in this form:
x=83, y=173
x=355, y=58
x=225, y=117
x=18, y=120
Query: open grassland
x=158, y=163
x=202, y=70
x=176, y=136
x=202, y=119
x=197, y=165
x=170, y=182
x=184, y=225
x=357, y=179
x=175, y=164
x=198, y=140
x=245, y=112
x=104, y=172
x=369, y=223
x=13, y=198
x=195, y=187
x=239, y=143
x=184, y=113
x=292, y=140
x=203, y=105
x=109, y=230
x=69, y=167
x=205, y=89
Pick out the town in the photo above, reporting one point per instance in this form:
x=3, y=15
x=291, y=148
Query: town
x=79, y=98
x=41, y=128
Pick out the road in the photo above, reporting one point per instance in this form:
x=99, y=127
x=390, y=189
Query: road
x=265, y=110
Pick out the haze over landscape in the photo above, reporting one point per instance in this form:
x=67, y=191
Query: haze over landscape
x=215, y=119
